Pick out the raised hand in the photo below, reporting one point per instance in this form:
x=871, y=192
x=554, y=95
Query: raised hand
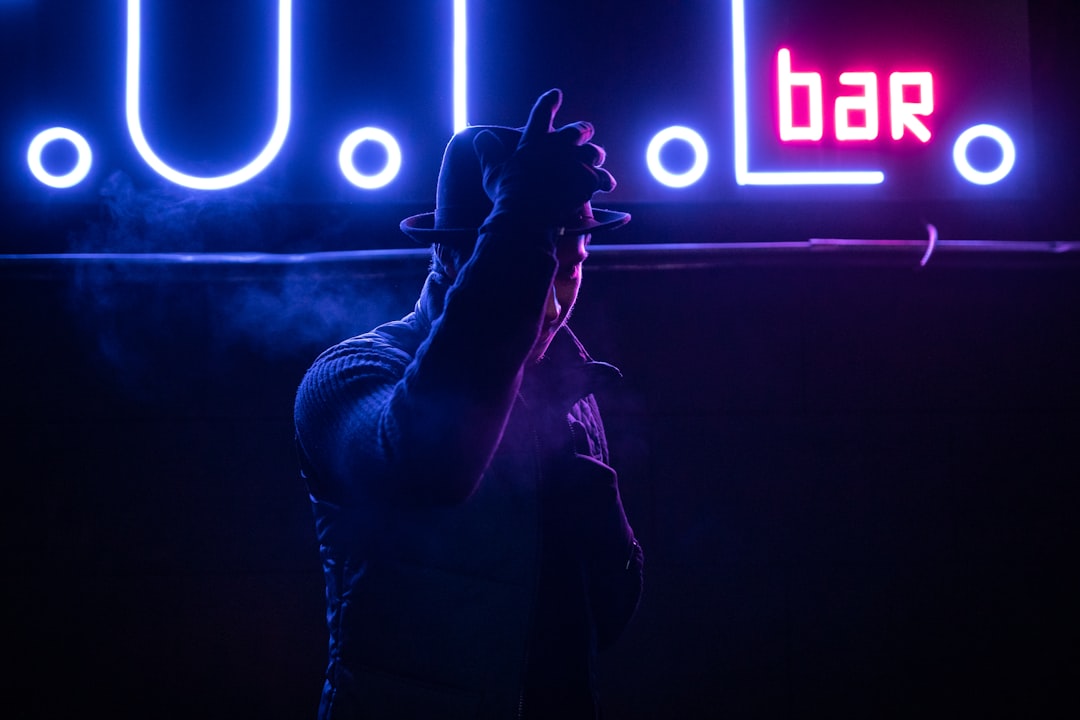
x=551, y=172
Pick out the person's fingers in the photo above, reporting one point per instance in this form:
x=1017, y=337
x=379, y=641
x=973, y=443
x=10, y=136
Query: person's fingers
x=488, y=148
x=577, y=133
x=591, y=154
x=605, y=180
x=588, y=180
x=542, y=116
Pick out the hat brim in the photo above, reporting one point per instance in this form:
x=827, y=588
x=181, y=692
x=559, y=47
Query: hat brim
x=421, y=228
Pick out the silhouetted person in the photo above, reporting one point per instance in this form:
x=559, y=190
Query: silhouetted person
x=474, y=543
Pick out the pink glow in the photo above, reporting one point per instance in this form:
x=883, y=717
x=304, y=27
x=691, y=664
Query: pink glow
x=906, y=114
x=788, y=81
x=866, y=103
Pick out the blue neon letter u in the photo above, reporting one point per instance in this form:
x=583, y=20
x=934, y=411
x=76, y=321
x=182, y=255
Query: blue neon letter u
x=281, y=124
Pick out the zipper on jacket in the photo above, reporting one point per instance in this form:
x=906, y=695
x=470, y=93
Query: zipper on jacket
x=537, y=459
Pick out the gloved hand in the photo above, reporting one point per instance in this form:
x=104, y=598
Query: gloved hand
x=550, y=174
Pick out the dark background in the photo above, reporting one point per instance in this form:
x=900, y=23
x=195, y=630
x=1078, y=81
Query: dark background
x=855, y=478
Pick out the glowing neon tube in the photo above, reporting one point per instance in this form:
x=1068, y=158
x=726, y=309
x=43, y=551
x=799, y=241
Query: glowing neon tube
x=665, y=176
x=381, y=178
x=77, y=173
x=281, y=122
x=743, y=174
x=461, y=78
x=989, y=177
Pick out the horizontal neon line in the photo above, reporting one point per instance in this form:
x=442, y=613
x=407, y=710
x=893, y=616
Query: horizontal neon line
x=674, y=249
x=834, y=177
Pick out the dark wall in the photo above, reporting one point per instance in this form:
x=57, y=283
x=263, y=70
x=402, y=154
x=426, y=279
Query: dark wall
x=855, y=480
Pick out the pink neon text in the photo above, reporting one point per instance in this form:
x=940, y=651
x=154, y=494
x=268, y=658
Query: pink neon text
x=905, y=113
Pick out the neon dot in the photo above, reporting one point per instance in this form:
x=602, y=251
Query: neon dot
x=980, y=177
x=379, y=179
x=82, y=164
x=662, y=174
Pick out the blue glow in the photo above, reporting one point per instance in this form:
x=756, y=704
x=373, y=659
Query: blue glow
x=677, y=180
x=978, y=177
x=77, y=173
x=379, y=179
x=281, y=123
x=743, y=174
x=461, y=81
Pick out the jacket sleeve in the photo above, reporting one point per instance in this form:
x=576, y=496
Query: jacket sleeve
x=422, y=429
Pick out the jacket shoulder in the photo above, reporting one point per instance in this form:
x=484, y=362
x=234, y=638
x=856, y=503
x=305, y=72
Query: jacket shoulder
x=388, y=348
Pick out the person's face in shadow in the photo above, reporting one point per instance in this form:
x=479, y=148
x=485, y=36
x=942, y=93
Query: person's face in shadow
x=571, y=252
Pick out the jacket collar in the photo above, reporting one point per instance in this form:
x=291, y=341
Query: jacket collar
x=567, y=373
x=429, y=305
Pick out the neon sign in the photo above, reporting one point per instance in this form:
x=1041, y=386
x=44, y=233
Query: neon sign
x=904, y=115
x=963, y=164
x=82, y=164
x=379, y=179
x=281, y=123
x=284, y=65
x=661, y=173
x=777, y=116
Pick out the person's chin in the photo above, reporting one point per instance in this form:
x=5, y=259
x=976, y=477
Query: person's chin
x=540, y=348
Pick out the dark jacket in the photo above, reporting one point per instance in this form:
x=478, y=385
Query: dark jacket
x=474, y=544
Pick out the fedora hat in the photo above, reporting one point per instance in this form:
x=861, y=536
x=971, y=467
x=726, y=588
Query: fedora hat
x=462, y=205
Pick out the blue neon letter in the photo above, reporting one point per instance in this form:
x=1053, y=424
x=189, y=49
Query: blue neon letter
x=743, y=174
x=281, y=124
